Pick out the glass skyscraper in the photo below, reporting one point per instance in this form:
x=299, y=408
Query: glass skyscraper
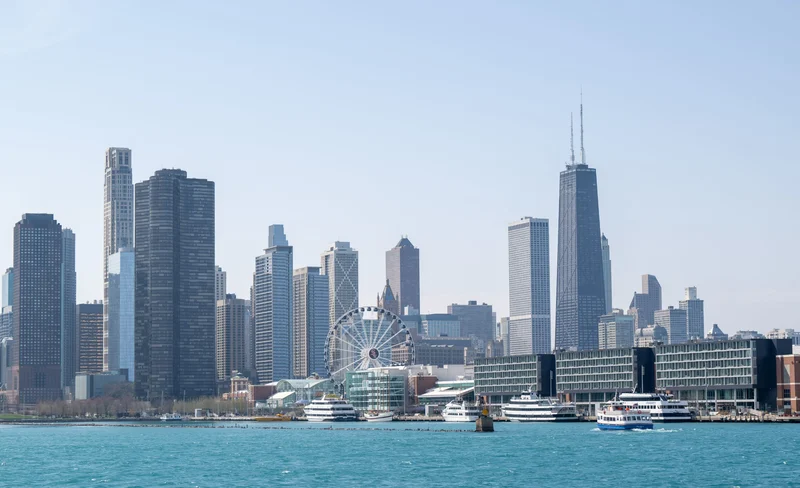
x=68, y=303
x=174, y=304
x=340, y=264
x=310, y=323
x=402, y=271
x=580, y=289
x=529, y=286
x=118, y=330
x=7, y=304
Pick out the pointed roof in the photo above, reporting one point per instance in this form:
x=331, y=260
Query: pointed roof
x=404, y=242
x=387, y=294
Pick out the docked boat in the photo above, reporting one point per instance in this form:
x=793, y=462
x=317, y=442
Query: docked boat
x=615, y=415
x=171, y=417
x=273, y=418
x=330, y=409
x=528, y=407
x=379, y=416
x=461, y=411
x=661, y=407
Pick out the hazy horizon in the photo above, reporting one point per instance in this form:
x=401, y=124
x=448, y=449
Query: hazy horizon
x=363, y=122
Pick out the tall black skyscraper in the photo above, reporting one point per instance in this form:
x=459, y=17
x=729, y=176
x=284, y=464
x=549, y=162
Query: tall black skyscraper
x=174, y=305
x=402, y=272
x=38, y=307
x=580, y=289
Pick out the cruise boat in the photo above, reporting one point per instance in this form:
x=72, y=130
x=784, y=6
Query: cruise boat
x=330, y=409
x=661, y=407
x=171, y=417
x=461, y=411
x=615, y=415
x=530, y=408
x=379, y=416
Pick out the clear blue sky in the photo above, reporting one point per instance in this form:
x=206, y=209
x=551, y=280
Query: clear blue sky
x=444, y=121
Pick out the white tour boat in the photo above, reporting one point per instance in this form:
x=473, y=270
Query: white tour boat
x=379, y=416
x=461, y=411
x=330, y=409
x=171, y=417
x=615, y=415
x=530, y=408
x=661, y=407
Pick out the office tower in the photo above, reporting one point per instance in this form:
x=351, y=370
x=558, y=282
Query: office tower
x=6, y=353
x=529, y=286
x=272, y=305
x=220, y=284
x=580, y=292
x=230, y=341
x=388, y=301
x=695, y=317
x=674, y=321
x=249, y=338
x=118, y=326
x=615, y=330
x=441, y=325
x=503, y=334
x=7, y=304
x=174, y=309
x=645, y=304
x=310, y=322
x=606, y=251
x=117, y=212
x=477, y=321
x=68, y=302
x=402, y=271
x=36, y=356
x=340, y=264
x=90, y=337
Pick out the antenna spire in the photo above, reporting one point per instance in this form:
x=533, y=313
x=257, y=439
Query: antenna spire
x=571, y=140
x=583, y=151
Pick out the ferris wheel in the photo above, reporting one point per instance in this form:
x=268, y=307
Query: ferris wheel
x=367, y=337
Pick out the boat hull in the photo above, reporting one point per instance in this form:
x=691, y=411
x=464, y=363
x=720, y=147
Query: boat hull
x=348, y=418
x=459, y=418
x=542, y=419
x=631, y=426
x=381, y=417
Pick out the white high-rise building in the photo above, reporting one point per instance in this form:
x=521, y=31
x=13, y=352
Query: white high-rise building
x=272, y=309
x=340, y=264
x=529, y=286
x=117, y=218
x=606, y=251
x=220, y=284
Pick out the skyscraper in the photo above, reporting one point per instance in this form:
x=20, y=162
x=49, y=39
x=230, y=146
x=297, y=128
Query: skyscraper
x=249, y=338
x=118, y=320
x=272, y=308
x=615, y=330
x=695, y=317
x=7, y=304
x=387, y=300
x=220, y=284
x=645, y=304
x=117, y=213
x=68, y=303
x=310, y=323
x=529, y=286
x=580, y=291
x=36, y=356
x=477, y=321
x=340, y=264
x=230, y=336
x=674, y=321
x=90, y=337
x=606, y=250
x=174, y=310
x=402, y=271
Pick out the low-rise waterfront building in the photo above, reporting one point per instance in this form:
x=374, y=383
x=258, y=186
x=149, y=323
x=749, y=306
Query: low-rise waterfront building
x=499, y=379
x=589, y=378
x=788, y=369
x=384, y=389
x=93, y=385
x=722, y=375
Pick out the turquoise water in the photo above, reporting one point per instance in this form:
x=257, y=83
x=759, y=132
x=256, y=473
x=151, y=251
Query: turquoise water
x=398, y=454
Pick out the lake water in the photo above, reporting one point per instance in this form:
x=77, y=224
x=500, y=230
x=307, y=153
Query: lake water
x=400, y=454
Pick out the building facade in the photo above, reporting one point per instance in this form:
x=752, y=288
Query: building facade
x=69, y=287
x=499, y=379
x=615, y=330
x=650, y=336
x=90, y=337
x=644, y=305
x=402, y=272
x=118, y=320
x=477, y=320
x=174, y=299
x=580, y=290
x=791, y=334
x=441, y=325
x=310, y=321
x=340, y=264
x=387, y=300
x=606, y=252
x=529, y=286
x=674, y=321
x=230, y=344
x=722, y=375
x=788, y=370
x=589, y=378
x=7, y=304
x=38, y=306
x=695, y=317
x=382, y=389
x=220, y=284
x=272, y=303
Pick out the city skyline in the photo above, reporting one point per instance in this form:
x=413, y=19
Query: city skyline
x=517, y=132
